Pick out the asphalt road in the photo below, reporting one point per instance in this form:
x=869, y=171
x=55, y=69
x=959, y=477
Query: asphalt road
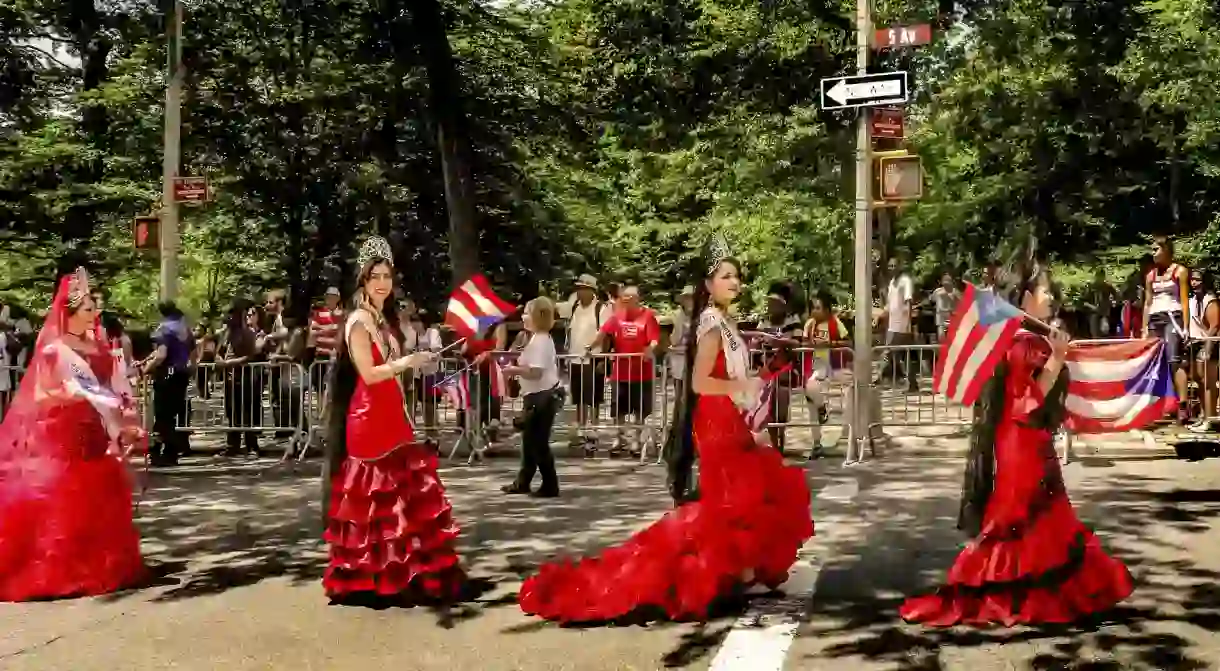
x=237, y=551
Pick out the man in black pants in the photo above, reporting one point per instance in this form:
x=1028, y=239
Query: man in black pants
x=170, y=367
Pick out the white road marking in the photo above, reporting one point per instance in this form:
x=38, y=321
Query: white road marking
x=761, y=638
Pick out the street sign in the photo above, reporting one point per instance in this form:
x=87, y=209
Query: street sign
x=884, y=88
x=901, y=177
x=886, y=122
x=191, y=190
x=897, y=37
x=144, y=232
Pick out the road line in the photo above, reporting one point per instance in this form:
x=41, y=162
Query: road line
x=760, y=639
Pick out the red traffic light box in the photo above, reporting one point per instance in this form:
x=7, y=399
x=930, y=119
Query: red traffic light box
x=145, y=232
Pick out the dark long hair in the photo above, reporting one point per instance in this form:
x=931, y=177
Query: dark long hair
x=679, y=444
x=979, y=479
x=341, y=385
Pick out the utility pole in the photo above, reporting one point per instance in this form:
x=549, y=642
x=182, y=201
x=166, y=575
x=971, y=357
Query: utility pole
x=863, y=372
x=169, y=168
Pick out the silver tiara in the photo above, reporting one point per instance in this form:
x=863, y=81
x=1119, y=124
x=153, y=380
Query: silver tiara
x=78, y=287
x=374, y=248
x=717, y=251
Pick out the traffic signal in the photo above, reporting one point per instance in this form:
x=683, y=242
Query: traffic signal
x=144, y=231
x=901, y=178
x=897, y=176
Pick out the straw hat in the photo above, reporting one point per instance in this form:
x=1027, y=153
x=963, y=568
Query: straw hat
x=586, y=281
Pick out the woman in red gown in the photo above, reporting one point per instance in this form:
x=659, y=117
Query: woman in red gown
x=1031, y=561
x=388, y=522
x=66, y=525
x=751, y=518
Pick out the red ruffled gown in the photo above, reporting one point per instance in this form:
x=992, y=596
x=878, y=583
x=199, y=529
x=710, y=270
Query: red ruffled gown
x=1034, y=562
x=66, y=524
x=390, y=527
x=753, y=514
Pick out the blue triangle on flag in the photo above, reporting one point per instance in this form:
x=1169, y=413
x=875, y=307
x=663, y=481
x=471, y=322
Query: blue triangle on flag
x=992, y=309
x=485, y=324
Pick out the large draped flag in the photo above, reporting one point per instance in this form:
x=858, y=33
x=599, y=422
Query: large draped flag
x=978, y=336
x=474, y=308
x=1118, y=386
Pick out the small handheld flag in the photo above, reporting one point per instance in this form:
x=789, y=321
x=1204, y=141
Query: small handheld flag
x=474, y=308
x=979, y=334
x=456, y=390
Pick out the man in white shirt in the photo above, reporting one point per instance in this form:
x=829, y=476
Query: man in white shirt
x=899, y=304
x=587, y=377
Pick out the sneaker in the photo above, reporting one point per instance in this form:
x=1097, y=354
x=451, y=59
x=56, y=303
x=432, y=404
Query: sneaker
x=1201, y=426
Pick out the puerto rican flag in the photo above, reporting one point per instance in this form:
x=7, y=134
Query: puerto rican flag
x=758, y=416
x=455, y=389
x=1118, y=387
x=474, y=308
x=978, y=336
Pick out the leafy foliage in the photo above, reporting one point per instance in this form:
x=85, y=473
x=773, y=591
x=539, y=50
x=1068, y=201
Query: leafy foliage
x=609, y=136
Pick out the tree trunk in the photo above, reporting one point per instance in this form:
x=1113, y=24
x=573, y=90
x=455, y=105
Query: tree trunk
x=449, y=119
x=89, y=37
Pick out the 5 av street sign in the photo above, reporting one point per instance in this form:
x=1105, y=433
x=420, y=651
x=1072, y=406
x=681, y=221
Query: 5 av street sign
x=884, y=88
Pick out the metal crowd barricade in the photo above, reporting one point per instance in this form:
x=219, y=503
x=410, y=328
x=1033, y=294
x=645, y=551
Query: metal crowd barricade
x=642, y=408
x=254, y=397
x=431, y=411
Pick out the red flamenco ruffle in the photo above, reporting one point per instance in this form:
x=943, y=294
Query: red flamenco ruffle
x=1053, y=572
x=391, y=529
x=690, y=557
x=66, y=529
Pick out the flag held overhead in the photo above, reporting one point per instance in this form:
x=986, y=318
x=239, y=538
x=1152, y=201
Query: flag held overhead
x=474, y=308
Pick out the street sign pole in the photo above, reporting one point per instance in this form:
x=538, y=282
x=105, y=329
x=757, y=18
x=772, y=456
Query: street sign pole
x=169, y=239
x=863, y=370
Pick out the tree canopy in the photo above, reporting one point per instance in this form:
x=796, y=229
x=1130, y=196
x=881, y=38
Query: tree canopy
x=537, y=140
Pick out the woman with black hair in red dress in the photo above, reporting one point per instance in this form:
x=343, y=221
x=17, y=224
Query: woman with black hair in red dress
x=753, y=512
x=389, y=525
x=1032, y=561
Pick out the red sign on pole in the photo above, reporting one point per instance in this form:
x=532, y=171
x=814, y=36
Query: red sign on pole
x=887, y=122
x=902, y=36
x=191, y=189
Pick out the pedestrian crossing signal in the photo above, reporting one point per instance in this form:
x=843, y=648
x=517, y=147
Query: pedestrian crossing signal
x=144, y=232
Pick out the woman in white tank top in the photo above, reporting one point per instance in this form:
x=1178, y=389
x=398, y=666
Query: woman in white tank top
x=1166, y=310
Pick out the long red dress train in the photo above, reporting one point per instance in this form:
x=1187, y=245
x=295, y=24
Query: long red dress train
x=66, y=526
x=753, y=515
x=1034, y=562
x=390, y=527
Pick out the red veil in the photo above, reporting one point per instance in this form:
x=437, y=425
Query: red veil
x=54, y=375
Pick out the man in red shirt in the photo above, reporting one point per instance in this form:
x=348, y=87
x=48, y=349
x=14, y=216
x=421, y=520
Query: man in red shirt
x=325, y=323
x=633, y=333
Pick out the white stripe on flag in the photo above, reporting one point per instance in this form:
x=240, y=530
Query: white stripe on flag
x=979, y=354
x=1118, y=411
x=1093, y=370
x=484, y=304
x=458, y=309
x=960, y=335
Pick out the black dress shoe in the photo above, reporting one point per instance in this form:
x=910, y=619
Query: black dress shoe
x=514, y=488
x=545, y=494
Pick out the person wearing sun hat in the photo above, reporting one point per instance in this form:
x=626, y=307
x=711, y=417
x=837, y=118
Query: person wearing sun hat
x=587, y=377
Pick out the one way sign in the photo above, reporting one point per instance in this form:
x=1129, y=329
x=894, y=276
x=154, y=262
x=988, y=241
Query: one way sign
x=885, y=88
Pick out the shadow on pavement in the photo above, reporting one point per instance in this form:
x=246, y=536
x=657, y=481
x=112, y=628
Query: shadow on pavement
x=908, y=541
